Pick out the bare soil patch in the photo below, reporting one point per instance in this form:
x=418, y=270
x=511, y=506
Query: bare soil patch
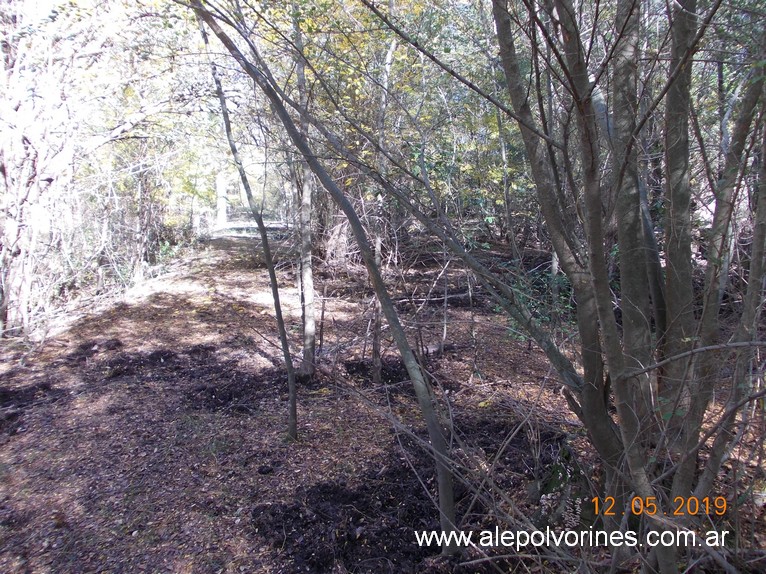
x=150, y=436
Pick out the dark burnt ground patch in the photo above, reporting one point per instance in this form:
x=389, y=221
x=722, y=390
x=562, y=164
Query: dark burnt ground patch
x=212, y=384
x=90, y=348
x=166, y=450
x=366, y=524
x=366, y=527
x=16, y=401
x=233, y=391
x=395, y=382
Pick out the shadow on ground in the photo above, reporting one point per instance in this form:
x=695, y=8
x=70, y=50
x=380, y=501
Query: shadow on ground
x=151, y=438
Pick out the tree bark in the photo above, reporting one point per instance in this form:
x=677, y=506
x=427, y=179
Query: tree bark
x=679, y=338
x=636, y=325
x=305, y=195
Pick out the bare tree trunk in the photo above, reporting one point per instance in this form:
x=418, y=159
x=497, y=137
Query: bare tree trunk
x=141, y=230
x=679, y=338
x=377, y=363
x=307, y=277
x=292, y=418
x=654, y=265
x=222, y=203
x=10, y=252
x=635, y=397
x=378, y=225
x=305, y=194
x=719, y=247
x=3, y=304
x=637, y=340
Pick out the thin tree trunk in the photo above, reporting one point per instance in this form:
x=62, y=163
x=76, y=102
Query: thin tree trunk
x=637, y=340
x=653, y=265
x=719, y=248
x=222, y=202
x=292, y=417
x=305, y=195
x=679, y=338
x=377, y=363
x=378, y=227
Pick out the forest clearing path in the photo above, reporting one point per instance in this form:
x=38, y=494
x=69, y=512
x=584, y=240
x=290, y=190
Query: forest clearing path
x=149, y=436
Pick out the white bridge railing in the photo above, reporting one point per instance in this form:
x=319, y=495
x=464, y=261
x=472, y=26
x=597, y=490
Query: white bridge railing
x=247, y=228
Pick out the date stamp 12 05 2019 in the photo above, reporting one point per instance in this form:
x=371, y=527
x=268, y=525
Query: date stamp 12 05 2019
x=647, y=505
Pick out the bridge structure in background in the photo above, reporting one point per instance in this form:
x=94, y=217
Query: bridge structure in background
x=238, y=221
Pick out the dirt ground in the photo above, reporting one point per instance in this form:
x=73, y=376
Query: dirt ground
x=148, y=435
